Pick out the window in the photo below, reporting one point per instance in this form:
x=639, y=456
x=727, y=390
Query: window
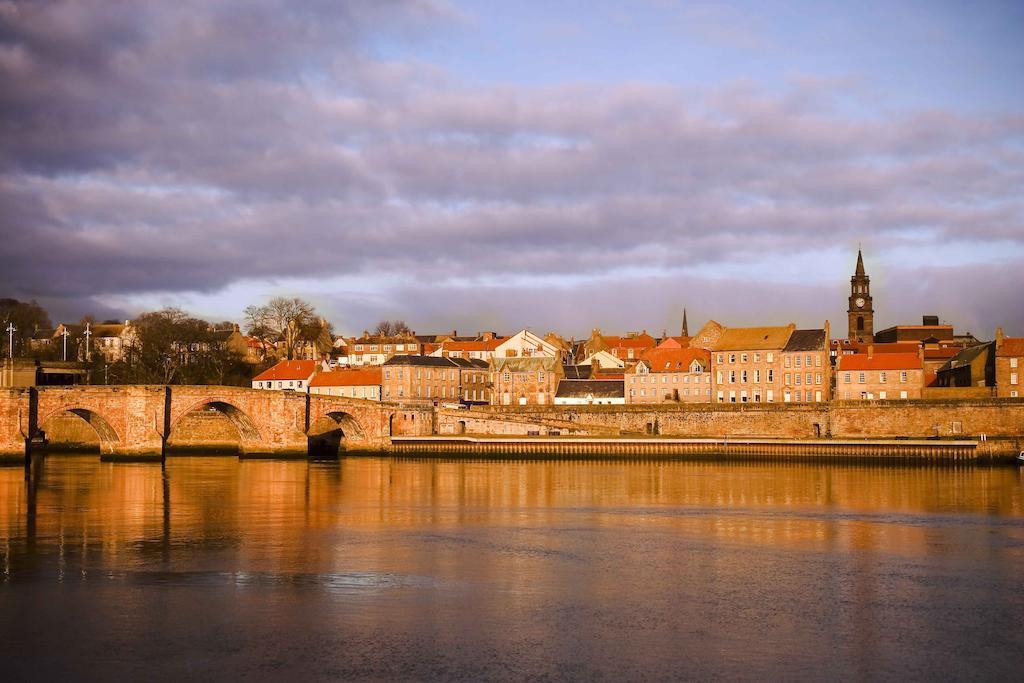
x=373, y=348
x=387, y=374
x=732, y=377
x=743, y=376
x=846, y=378
x=506, y=376
x=1013, y=362
x=757, y=357
x=881, y=377
x=903, y=377
x=796, y=376
x=1013, y=378
x=743, y=358
x=786, y=361
x=769, y=357
x=732, y=357
x=719, y=377
x=881, y=395
x=807, y=378
x=817, y=361
x=787, y=378
x=817, y=378
x=291, y=383
x=719, y=359
x=796, y=361
x=903, y=394
x=860, y=378
x=771, y=378
x=540, y=375
x=757, y=376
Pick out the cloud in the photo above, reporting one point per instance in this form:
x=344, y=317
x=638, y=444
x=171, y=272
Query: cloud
x=187, y=147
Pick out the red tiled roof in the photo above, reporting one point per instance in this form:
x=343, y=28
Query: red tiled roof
x=471, y=345
x=1012, y=346
x=348, y=378
x=881, y=361
x=675, y=360
x=943, y=353
x=288, y=369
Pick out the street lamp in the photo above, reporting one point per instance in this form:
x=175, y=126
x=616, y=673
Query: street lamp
x=88, y=334
x=11, y=329
x=65, y=334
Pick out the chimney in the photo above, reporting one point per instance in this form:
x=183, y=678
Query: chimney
x=828, y=334
x=930, y=320
x=871, y=350
x=1000, y=338
x=455, y=333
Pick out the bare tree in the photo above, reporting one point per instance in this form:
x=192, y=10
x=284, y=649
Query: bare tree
x=281, y=320
x=391, y=328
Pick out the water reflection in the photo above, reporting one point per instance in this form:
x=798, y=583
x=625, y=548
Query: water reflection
x=569, y=569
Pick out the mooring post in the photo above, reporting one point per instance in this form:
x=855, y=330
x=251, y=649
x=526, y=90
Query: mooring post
x=33, y=427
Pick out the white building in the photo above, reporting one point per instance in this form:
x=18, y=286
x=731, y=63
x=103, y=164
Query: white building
x=287, y=375
x=526, y=344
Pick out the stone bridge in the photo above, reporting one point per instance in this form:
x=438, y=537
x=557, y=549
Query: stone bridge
x=137, y=421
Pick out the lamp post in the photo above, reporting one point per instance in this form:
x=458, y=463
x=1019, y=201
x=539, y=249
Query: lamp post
x=88, y=334
x=11, y=329
x=65, y=334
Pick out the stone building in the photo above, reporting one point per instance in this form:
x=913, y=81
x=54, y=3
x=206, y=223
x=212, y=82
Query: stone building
x=589, y=392
x=670, y=376
x=364, y=383
x=421, y=379
x=377, y=349
x=747, y=366
x=1009, y=368
x=626, y=348
x=929, y=330
x=474, y=380
x=524, y=381
x=879, y=376
x=526, y=344
x=806, y=367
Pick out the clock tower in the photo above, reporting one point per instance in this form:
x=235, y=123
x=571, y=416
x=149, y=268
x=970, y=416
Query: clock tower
x=861, y=311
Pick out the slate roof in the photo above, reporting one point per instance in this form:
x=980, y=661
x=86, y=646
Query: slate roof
x=423, y=361
x=597, y=388
x=805, y=340
x=577, y=371
x=745, y=338
x=966, y=357
x=520, y=364
x=470, y=363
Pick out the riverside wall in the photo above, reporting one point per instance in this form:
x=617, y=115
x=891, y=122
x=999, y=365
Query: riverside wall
x=999, y=421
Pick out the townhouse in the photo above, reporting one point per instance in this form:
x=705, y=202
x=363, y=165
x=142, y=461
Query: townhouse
x=1009, y=365
x=670, y=375
x=879, y=376
x=747, y=364
x=806, y=367
x=420, y=379
x=524, y=381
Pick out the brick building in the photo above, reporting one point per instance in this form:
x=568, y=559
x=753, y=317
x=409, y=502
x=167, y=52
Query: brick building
x=879, y=376
x=747, y=364
x=1009, y=365
x=971, y=367
x=806, y=367
x=524, y=381
x=665, y=375
x=376, y=349
x=420, y=379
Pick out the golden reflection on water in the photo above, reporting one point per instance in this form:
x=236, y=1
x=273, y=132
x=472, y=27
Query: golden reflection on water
x=268, y=514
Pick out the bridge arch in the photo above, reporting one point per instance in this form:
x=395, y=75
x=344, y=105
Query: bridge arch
x=248, y=432
x=107, y=435
x=332, y=432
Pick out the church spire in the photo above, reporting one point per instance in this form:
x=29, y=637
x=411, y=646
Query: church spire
x=686, y=328
x=860, y=263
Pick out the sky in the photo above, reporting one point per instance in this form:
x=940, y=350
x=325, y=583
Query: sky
x=468, y=165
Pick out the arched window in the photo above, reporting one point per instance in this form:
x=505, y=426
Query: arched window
x=860, y=323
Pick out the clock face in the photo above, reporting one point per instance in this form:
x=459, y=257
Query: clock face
x=859, y=302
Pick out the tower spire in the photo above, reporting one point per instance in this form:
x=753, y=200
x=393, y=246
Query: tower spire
x=686, y=328
x=860, y=263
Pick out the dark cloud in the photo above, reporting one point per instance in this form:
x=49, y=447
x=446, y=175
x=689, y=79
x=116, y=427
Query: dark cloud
x=182, y=147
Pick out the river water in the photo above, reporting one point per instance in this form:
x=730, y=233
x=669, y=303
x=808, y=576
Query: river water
x=384, y=568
